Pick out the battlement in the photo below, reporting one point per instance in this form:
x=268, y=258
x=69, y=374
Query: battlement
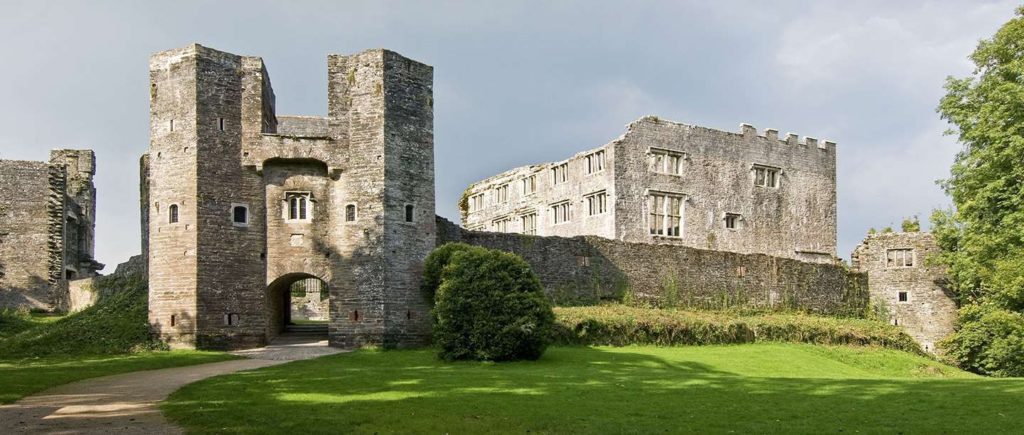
x=746, y=131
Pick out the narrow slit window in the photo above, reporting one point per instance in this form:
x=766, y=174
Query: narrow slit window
x=408, y=212
x=220, y=124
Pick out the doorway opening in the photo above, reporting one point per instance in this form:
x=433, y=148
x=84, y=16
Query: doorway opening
x=299, y=307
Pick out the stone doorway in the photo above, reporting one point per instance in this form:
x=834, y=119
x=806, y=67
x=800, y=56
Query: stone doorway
x=298, y=308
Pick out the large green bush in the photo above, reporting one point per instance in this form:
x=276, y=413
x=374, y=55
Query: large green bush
x=490, y=306
x=435, y=263
x=619, y=325
x=989, y=340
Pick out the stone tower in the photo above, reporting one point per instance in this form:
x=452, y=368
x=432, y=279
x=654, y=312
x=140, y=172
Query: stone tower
x=241, y=202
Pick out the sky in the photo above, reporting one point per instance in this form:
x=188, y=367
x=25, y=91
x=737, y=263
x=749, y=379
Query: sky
x=519, y=83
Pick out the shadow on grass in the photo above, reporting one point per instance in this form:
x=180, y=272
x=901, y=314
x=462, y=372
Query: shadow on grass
x=588, y=390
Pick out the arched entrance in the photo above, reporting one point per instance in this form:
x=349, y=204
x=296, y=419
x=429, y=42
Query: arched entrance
x=298, y=307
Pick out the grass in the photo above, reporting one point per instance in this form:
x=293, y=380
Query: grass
x=118, y=324
x=19, y=378
x=39, y=351
x=751, y=388
x=13, y=321
x=619, y=325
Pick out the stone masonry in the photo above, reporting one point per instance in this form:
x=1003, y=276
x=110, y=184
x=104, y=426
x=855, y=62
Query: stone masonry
x=669, y=183
x=239, y=202
x=906, y=285
x=47, y=228
x=585, y=270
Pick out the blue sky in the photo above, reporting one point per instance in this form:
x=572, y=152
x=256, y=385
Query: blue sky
x=523, y=82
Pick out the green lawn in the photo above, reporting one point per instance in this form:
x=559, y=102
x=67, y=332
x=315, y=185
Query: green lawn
x=19, y=378
x=742, y=388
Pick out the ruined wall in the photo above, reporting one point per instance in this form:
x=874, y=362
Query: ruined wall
x=80, y=211
x=793, y=218
x=47, y=227
x=587, y=269
x=27, y=267
x=521, y=202
x=928, y=309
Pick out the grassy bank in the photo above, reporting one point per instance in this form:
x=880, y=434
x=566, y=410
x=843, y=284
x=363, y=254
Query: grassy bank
x=619, y=325
x=38, y=351
x=753, y=388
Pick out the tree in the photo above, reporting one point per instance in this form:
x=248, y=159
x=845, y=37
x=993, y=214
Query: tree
x=982, y=236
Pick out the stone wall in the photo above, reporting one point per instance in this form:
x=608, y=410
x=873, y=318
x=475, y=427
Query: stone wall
x=217, y=145
x=587, y=269
x=26, y=272
x=47, y=227
x=793, y=218
x=901, y=263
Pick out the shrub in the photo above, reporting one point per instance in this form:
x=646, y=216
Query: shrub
x=988, y=340
x=618, y=325
x=490, y=306
x=435, y=263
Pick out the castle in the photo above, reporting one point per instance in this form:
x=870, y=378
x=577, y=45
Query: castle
x=671, y=183
x=241, y=202
x=47, y=228
x=242, y=206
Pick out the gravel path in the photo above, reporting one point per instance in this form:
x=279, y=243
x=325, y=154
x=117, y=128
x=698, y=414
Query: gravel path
x=129, y=403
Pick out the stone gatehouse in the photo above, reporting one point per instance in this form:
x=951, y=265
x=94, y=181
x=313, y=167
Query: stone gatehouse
x=47, y=228
x=240, y=202
x=669, y=183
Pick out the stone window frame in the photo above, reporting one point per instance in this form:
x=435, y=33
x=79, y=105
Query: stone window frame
x=775, y=178
x=559, y=171
x=589, y=161
x=526, y=218
x=665, y=215
x=248, y=216
x=667, y=156
x=561, y=208
x=476, y=202
x=355, y=213
x=599, y=197
x=904, y=264
x=174, y=213
x=732, y=221
x=905, y=294
x=287, y=206
x=501, y=224
x=531, y=182
x=232, y=319
x=501, y=193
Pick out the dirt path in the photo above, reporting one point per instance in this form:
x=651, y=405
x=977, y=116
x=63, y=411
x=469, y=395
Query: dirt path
x=129, y=403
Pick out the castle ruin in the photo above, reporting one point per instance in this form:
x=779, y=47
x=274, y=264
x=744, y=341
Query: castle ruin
x=906, y=285
x=47, y=228
x=669, y=183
